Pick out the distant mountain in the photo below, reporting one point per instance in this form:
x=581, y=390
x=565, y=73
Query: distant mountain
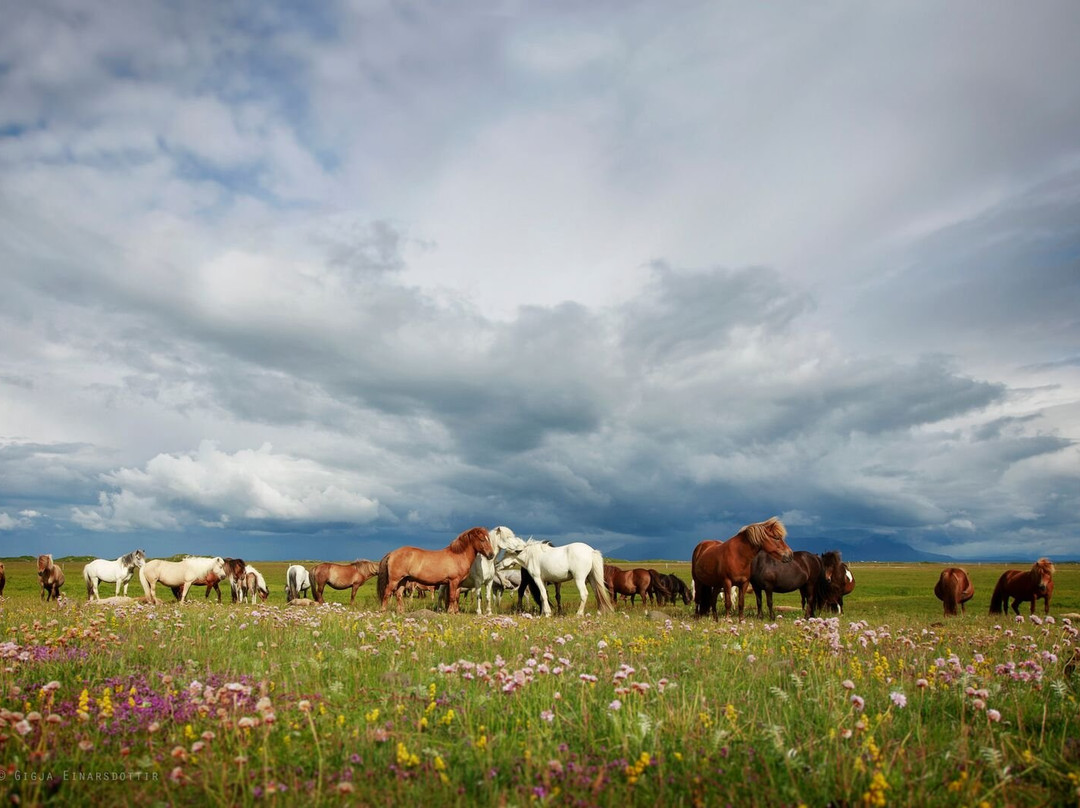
x=872, y=548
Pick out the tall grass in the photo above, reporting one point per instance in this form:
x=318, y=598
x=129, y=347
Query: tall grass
x=242, y=705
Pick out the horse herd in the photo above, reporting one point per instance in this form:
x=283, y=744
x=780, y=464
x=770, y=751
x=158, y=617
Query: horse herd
x=756, y=557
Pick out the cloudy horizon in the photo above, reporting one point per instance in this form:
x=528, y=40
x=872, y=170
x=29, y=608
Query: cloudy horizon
x=313, y=283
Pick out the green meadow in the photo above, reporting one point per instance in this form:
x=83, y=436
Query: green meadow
x=240, y=704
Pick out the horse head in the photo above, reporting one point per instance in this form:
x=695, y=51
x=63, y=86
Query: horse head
x=484, y=545
x=139, y=558
x=504, y=538
x=830, y=563
x=44, y=562
x=769, y=536
x=218, y=567
x=1044, y=574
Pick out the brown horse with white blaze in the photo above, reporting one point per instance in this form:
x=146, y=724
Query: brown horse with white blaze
x=719, y=565
x=954, y=588
x=1038, y=582
x=432, y=567
x=341, y=576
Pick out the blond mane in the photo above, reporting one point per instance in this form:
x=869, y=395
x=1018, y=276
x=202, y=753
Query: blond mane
x=759, y=532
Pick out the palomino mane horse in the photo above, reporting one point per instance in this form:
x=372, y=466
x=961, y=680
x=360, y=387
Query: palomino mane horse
x=576, y=561
x=120, y=572
x=1038, y=582
x=628, y=583
x=432, y=567
x=52, y=578
x=297, y=583
x=717, y=566
x=341, y=576
x=954, y=588
x=181, y=573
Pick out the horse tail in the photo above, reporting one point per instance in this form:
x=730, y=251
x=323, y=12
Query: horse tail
x=948, y=594
x=603, y=599
x=383, y=579
x=534, y=588
x=999, y=601
x=89, y=583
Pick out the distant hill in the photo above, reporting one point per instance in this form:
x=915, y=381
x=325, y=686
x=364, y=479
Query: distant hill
x=870, y=549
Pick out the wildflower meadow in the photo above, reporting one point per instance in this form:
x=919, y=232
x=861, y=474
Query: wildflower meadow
x=239, y=704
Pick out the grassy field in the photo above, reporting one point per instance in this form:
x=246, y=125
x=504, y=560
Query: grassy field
x=230, y=704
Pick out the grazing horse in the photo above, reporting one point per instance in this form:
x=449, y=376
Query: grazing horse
x=843, y=583
x=254, y=584
x=181, y=573
x=555, y=565
x=659, y=588
x=120, y=572
x=481, y=577
x=806, y=572
x=297, y=582
x=719, y=565
x=235, y=570
x=1038, y=582
x=954, y=587
x=341, y=576
x=52, y=578
x=628, y=583
x=432, y=567
x=677, y=588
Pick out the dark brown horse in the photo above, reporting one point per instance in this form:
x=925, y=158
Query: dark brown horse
x=843, y=583
x=341, y=576
x=52, y=578
x=716, y=566
x=1038, y=582
x=659, y=588
x=806, y=572
x=433, y=567
x=670, y=587
x=628, y=583
x=953, y=588
x=235, y=576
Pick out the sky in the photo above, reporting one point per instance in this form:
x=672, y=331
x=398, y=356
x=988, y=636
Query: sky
x=292, y=282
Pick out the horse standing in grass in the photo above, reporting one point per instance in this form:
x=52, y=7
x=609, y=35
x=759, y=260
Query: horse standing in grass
x=669, y=588
x=432, y=567
x=52, y=578
x=954, y=588
x=628, y=583
x=235, y=572
x=120, y=572
x=717, y=566
x=181, y=573
x=482, y=574
x=254, y=584
x=576, y=561
x=341, y=576
x=806, y=572
x=843, y=583
x=297, y=582
x=1038, y=582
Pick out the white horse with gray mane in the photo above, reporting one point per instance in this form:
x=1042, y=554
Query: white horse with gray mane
x=481, y=577
x=297, y=582
x=577, y=561
x=120, y=572
x=181, y=573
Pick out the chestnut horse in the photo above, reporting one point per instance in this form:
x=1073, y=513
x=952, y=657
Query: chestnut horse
x=1038, y=582
x=341, y=576
x=432, y=567
x=628, y=583
x=52, y=578
x=718, y=565
x=954, y=587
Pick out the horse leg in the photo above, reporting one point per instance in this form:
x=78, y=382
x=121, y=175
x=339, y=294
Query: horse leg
x=768, y=599
x=583, y=593
x=352, y=600
x=320, y=585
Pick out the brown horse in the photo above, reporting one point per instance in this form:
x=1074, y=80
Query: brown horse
x=1038, y=582
x=843, y=583
x=806, y=572
x=52, y=578
x=954, y=587
x=433, y=567
x=718, y=565
x=341, y=576
x=628, y=583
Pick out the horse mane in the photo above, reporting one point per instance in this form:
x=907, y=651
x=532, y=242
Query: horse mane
x=469, y=537
x=759, y=532
x=366, y=567
x=1044, y=563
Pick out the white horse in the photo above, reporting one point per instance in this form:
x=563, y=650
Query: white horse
x=297, y=582
x=481, y=577
x=178, y=573
x=554, y=565
x=254, y=584
x=120, y=572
